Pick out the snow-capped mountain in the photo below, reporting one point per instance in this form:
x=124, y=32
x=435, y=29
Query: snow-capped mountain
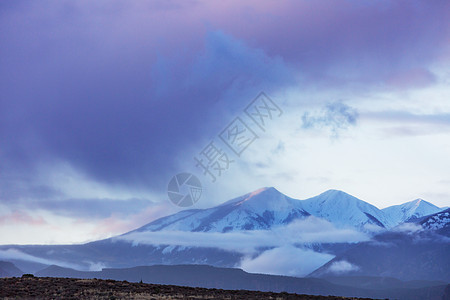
x=259, y=210
x=410, y=210
x=267, y=208
x=342, y=209
x=218, y=235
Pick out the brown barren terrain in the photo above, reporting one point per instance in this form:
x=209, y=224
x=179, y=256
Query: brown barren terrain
x=27, y=287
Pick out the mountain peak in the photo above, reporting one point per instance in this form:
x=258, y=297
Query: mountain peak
x=263, y=208
x=419, y=202
x=267, y=189
x=264, y=190
x=344, y=209
x=252, y=195
x=410, y=210
x=333, y=192
x=264, y=199
x=337, y=196
x=255, y=195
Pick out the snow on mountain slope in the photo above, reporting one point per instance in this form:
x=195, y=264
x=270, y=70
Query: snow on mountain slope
x=343, y=209
x=440, y=220
x=267, y=208
x=261, y=209
x=410, y=210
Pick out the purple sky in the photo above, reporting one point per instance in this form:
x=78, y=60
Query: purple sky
x=102, y=102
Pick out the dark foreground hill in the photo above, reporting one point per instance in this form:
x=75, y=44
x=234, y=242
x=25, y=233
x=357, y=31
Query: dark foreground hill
x=28, y=287
x=237, y=279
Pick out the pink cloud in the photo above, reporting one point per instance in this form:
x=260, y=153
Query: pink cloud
x=417, y=77
x=20, y=217
x=116, y=224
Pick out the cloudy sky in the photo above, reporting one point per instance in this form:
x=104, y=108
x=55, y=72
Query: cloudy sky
x=102, y=102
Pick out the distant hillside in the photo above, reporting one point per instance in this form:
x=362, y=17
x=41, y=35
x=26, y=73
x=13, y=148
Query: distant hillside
x=8, y=269
x=412, y=251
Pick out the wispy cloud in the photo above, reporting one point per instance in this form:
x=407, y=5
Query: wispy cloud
x=285, y=260
x=14, y=254
x=335, y=116
x=118, y=223
x=412, y=78
x=342, y=266
x=21, y=217
x=281, y=251
x=409, y=117
x=310, y=230
x=409, y=228
x=404, y=123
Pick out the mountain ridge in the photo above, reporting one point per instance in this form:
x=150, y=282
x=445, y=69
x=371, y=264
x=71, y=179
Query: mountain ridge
x=260, y=209
x=336, y=221
x=266, y=207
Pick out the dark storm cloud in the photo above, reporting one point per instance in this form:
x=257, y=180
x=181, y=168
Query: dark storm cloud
x=339, y=42
x=120, y=109
x=122, y=91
